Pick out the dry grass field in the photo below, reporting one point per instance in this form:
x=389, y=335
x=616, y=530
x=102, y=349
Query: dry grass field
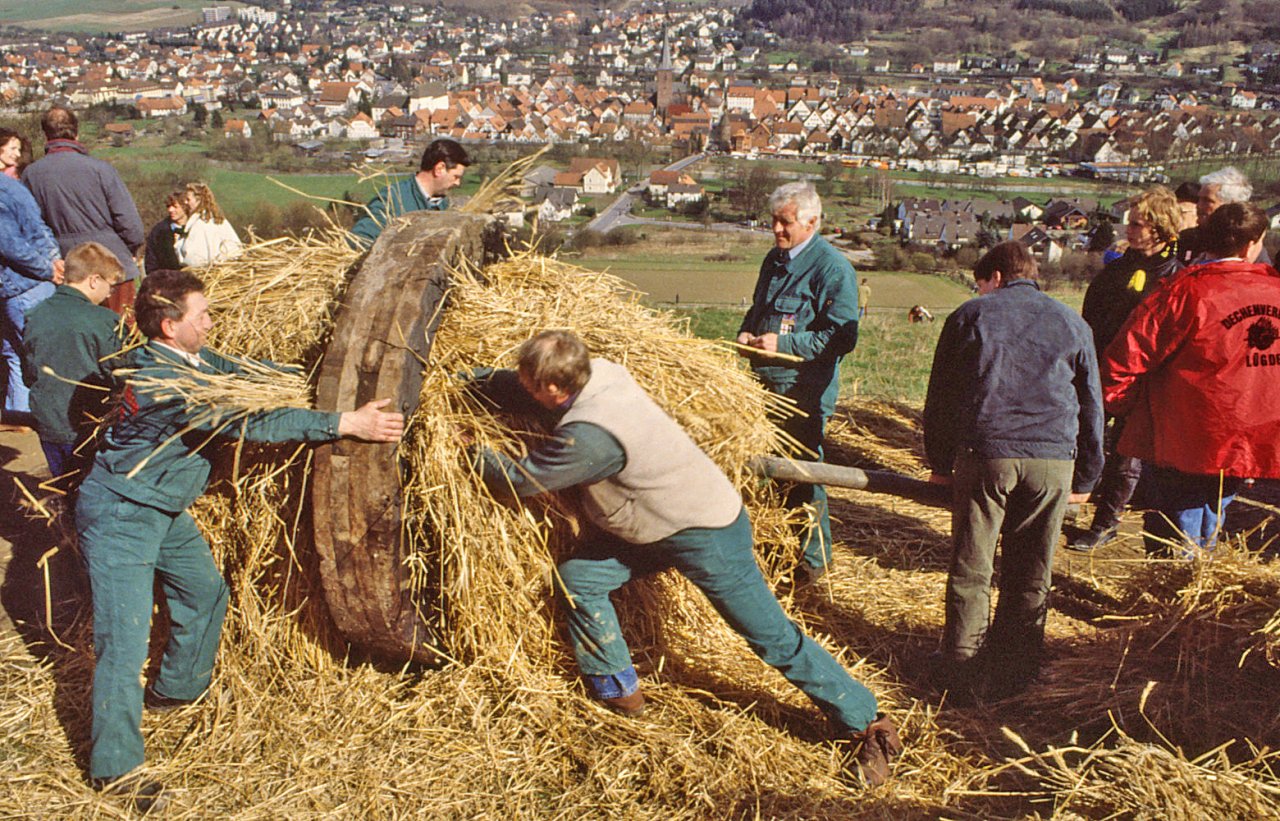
x=1159, y=698
x=103, y=15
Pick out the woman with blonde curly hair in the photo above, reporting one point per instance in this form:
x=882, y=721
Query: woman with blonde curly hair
x=1152, y=255
x=210, y=237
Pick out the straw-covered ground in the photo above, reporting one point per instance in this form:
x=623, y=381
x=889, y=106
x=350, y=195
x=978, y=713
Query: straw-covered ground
x=1159, y=701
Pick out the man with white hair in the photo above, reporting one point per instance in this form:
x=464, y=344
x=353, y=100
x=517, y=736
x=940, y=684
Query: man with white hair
x=806, y=307
x=1216, y=189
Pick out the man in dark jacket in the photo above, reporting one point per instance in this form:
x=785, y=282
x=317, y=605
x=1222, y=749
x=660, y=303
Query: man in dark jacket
x=1152, y=232
x=1013, y=421
x=444, y=162
x=84, y=200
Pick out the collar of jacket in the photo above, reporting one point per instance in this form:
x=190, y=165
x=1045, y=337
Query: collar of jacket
x=1170, y=249
x=1230, y=266
x=73, y=293
x=55, y=146
x=162, y=353
x=783, y=259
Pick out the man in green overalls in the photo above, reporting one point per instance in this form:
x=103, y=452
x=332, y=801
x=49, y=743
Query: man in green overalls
x=805, y=305
x=655, y=500
x=134, y=527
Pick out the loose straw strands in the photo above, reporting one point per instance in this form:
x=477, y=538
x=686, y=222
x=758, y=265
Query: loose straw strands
x=1185, y=658
x=253, y=387
x=502, y=193
x=275, y=301
x=1122, y=777
x=215, y=402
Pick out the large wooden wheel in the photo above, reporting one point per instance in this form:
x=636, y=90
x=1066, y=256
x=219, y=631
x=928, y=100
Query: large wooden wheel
x=382, y=333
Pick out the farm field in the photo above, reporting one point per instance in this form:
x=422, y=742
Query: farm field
x=102, y=15
x=714, y=268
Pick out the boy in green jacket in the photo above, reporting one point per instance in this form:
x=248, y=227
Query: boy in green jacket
x=69, y=348
x=131, y=516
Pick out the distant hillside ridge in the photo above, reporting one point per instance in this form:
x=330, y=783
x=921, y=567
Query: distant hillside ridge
x=1176, y=23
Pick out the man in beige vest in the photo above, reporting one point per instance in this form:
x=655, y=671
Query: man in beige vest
x=657, y=501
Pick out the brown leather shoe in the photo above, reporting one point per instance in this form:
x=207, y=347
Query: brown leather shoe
x=629, y=706
x=874, y=750
x=135, y=789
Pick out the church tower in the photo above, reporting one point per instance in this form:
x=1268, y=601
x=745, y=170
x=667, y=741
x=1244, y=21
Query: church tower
x=665, y=79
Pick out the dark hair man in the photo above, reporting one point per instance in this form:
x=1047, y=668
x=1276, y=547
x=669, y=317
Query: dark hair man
x=84, y=200
x=657, y=501
x=1195, y=371
x=1152, y=255
x=134, y=527
x=805, y=305
x=1013, y=422
x=1188, y=195
x=443, y=163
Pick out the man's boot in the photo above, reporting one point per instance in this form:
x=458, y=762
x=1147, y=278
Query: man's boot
x=1093, y=538
x=873, y=750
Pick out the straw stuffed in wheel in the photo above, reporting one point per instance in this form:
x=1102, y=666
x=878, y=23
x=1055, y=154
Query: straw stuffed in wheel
x=419, y=562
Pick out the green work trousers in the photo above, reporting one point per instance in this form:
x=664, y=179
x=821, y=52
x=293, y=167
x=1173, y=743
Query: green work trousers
x=720, y=563
x=127, y=547
x=1023, y=501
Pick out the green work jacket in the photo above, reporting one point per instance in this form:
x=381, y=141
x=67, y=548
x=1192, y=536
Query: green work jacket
x=161, y=433
x=395, y=200
x=811, y=302
x=78, y=341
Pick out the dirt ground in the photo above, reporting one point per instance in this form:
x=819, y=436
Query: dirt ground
x=21, y=593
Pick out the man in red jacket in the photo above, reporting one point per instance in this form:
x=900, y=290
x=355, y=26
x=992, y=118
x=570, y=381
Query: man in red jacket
x=1196, y=369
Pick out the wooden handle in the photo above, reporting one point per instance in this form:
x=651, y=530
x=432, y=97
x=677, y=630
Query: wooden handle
x=872, y=481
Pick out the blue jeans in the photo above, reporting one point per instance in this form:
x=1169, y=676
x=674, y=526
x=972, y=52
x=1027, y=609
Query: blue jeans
x=1186, y=510
x=127, y=546
x=13, y=319
x=721, y=564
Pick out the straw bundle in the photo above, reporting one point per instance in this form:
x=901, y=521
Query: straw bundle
x=492, y=564
x=1134, y=780
x=502, y=193
x=276, y=300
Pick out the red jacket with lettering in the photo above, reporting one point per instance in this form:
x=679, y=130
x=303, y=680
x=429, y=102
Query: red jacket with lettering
x=1196, y=372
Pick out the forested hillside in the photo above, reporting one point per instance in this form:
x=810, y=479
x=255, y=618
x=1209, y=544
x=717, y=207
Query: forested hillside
x=1051, y=26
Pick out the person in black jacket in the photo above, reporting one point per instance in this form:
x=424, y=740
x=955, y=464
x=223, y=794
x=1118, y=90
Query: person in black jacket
x=1152, y=232
x=162, y=249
